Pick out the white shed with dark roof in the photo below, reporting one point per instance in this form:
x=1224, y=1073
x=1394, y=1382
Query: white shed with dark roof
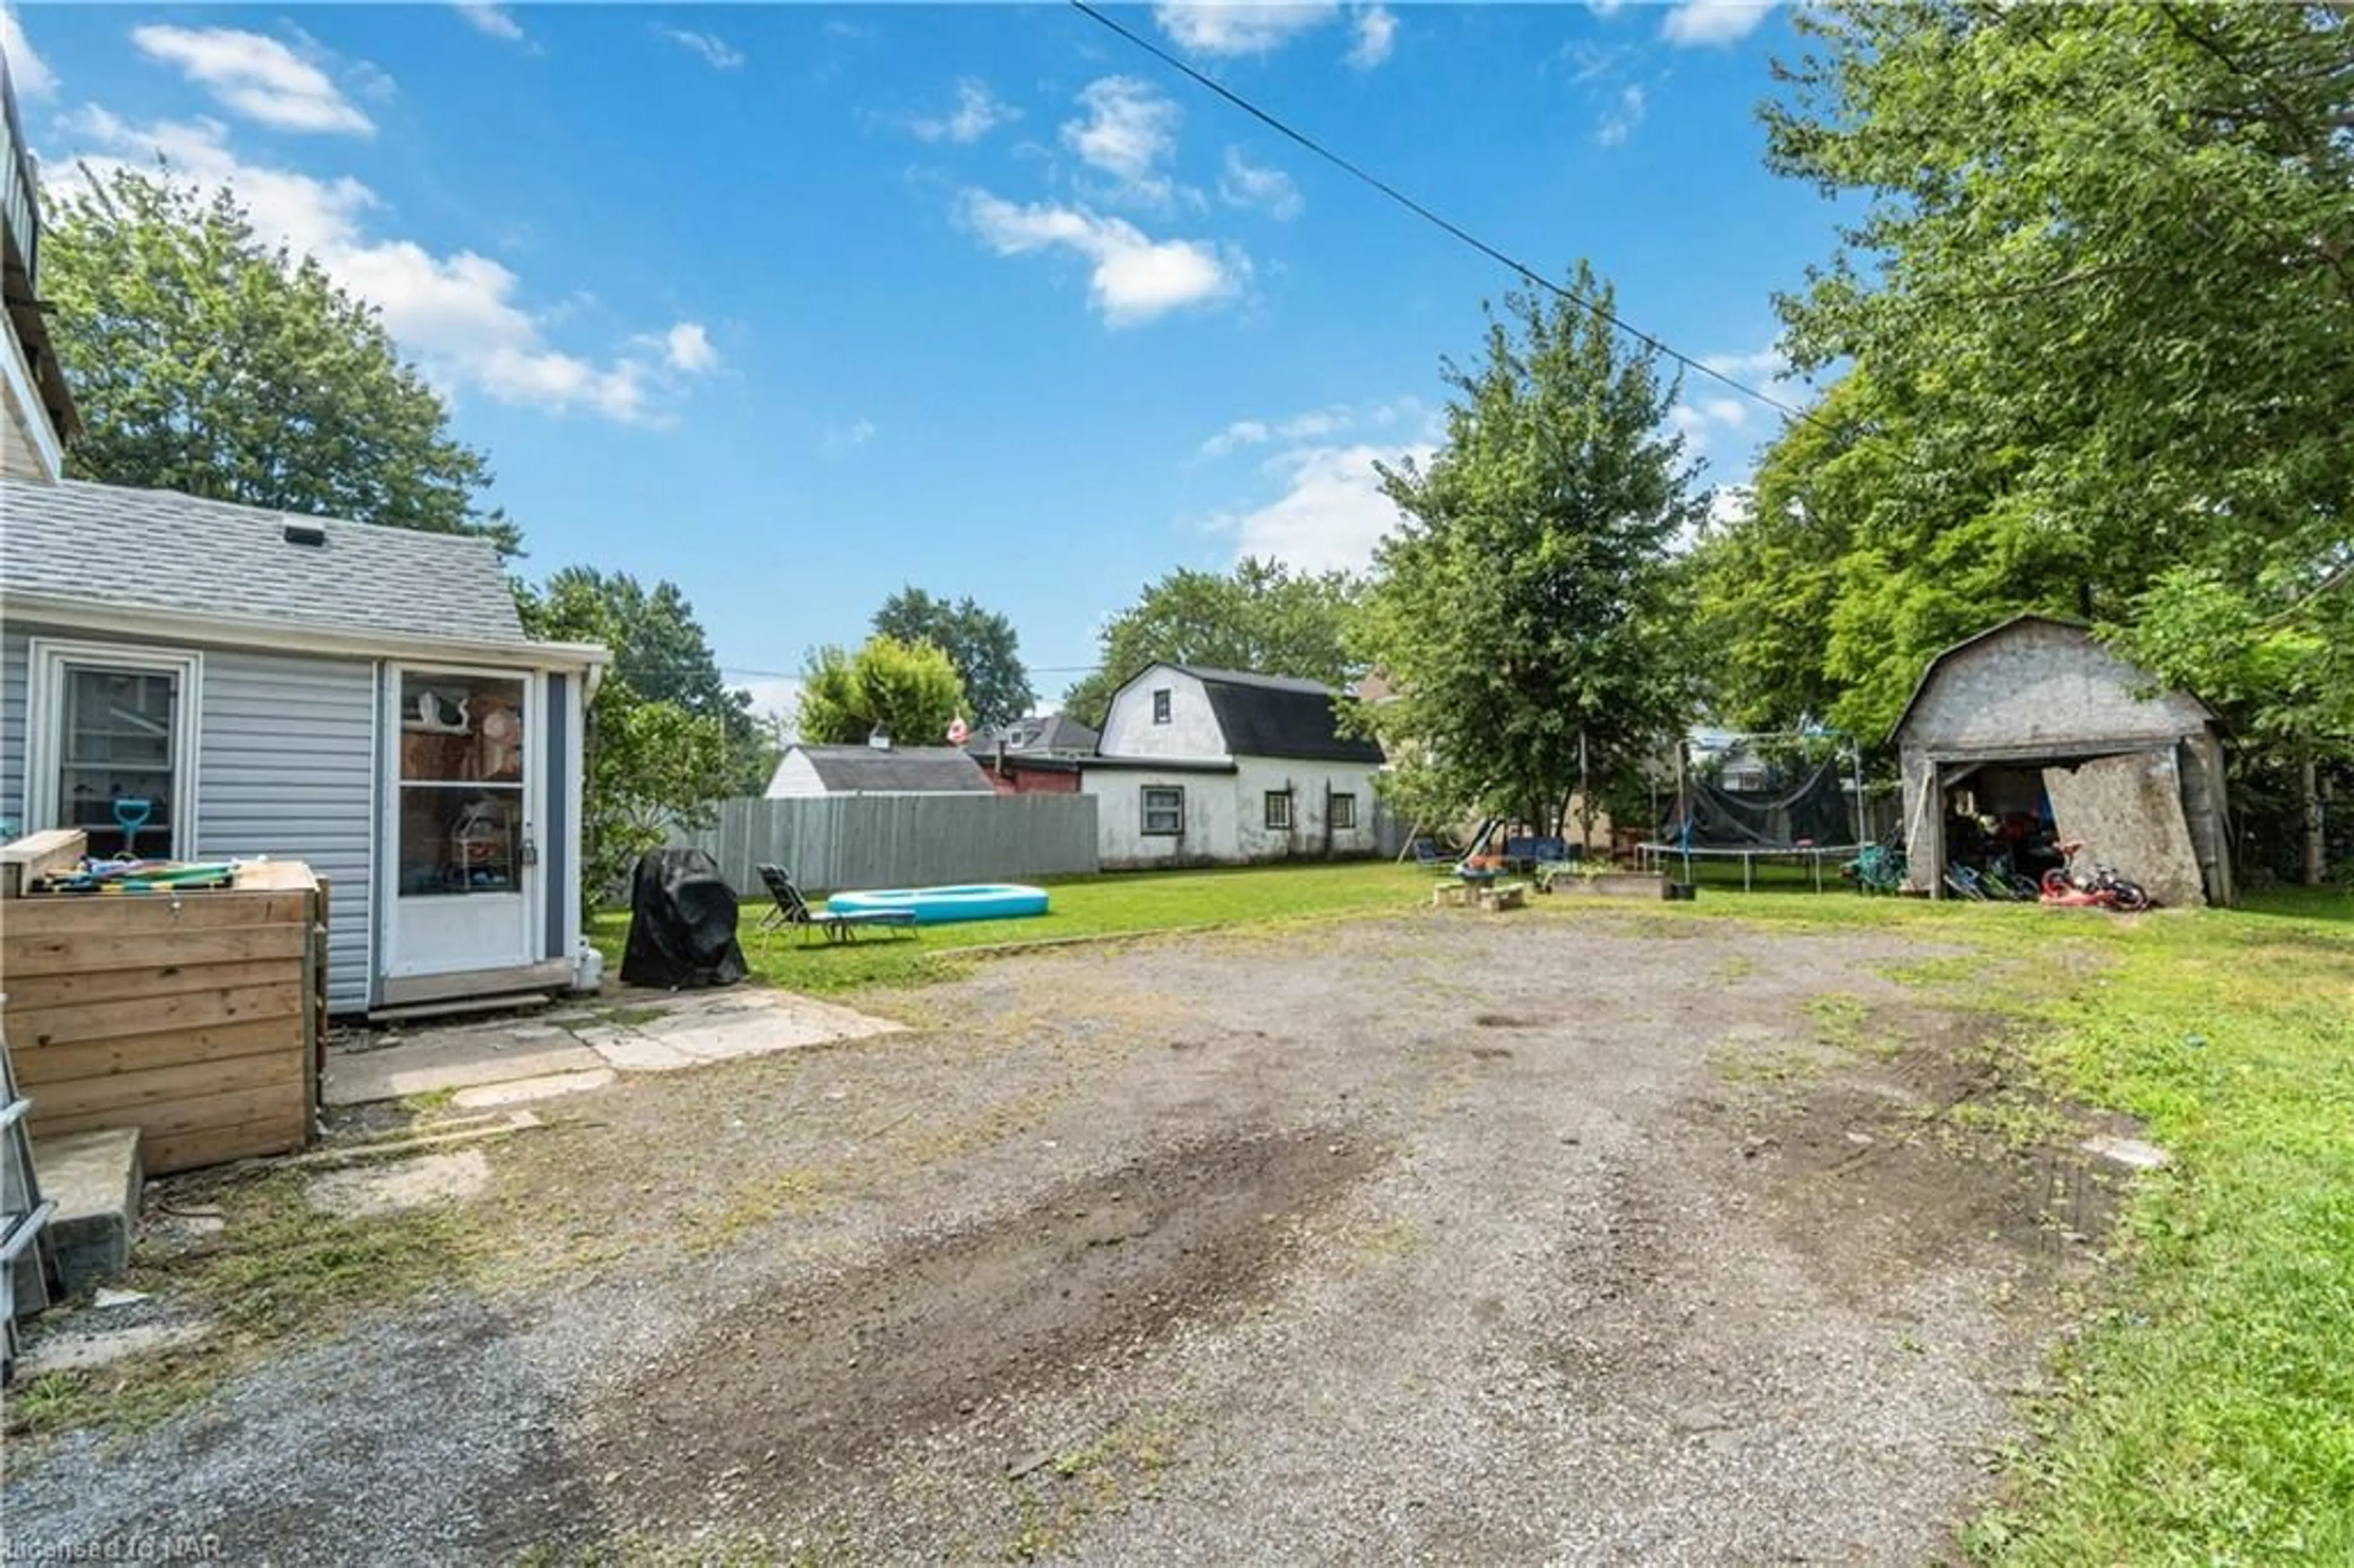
x=361, y=698
x=1203, y=767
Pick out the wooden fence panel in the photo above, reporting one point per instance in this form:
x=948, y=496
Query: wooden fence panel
x=832, y=843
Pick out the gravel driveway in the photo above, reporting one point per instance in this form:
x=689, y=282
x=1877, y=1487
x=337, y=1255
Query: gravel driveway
x=1548, y=1237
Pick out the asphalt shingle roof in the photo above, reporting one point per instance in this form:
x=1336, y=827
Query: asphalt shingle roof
x=902, y=770
x=161, y=550
x=1054, y=732
x=1276, y=716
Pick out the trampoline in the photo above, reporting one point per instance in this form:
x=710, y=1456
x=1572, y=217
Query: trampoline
x=1655, y=856
x=1803, y=824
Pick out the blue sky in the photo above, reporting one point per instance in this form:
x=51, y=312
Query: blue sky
x=795, y=304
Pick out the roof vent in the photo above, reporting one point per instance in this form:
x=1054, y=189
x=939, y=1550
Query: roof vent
x=309, y=533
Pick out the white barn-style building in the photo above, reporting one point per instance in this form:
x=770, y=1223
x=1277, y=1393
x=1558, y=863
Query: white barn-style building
x=1202, y=767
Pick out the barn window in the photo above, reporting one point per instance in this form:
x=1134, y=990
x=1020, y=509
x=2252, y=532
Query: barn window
x=1343, y=813
x=1164, y=810
x=1161, y=707
x=1278, y=810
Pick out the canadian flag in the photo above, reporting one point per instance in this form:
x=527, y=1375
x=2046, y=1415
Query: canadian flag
x=958, y=732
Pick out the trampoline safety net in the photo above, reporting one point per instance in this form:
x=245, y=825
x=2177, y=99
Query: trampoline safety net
x=1815, y=811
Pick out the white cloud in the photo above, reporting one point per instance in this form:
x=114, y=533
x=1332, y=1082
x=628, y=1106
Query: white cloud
x=687, y=348
x=977, y=113
x=1134, y=277
x=1241, y=433
x=716, y=51
x=1234, y=27
x=1376, y=36
x=1316, y=424
x=1618, y=120
x=457, y=313
x=1700, y=22
x=1245, y=183
x=1592, y=62
x=1332, y=513
x=28, y=72
x=1128, y=131
x=840, y=439
x=257, y=77
x=775, y=697
x=1727, y=427
x=489, y=18
x=1606, y=8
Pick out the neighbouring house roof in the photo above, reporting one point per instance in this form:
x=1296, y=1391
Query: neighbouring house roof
x=2000, y=629
x=1276, y=716
x=901, y=771
x=1052, y=734
x=108, y=546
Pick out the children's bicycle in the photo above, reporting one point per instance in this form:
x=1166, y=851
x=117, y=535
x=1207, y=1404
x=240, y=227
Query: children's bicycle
x=1877, y=869
x=2098, y=888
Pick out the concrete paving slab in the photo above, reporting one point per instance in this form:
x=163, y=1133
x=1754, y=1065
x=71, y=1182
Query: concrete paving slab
x=718, y=1033
x=484, y=1097
x=85, y=1346
x=635, y=1053
x=508, y=1060
x=460, y=1059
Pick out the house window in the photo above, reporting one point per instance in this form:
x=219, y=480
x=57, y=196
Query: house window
x=114, y=747
x=1341, y=813
x=1161, y=707
x=461, y=803
x=1278, y=810
x=1164, y=810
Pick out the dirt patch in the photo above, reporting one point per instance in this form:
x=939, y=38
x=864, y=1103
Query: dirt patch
x=790, y=1386
x=403, y=1184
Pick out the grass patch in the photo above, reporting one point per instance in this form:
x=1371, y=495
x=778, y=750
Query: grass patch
x=1133, y=903
x=281, y=1270
x=2207, y=1413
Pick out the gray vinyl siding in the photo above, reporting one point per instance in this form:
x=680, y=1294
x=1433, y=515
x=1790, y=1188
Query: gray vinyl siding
x=286, y=766
x=14, y=655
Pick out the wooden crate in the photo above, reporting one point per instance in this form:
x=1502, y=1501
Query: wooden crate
x=196, y=1017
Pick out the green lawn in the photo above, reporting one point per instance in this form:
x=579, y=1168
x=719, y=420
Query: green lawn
x=1081, y=906
x=2208, y=1413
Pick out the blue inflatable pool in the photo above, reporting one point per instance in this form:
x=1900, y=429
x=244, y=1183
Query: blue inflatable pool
x=939, y=905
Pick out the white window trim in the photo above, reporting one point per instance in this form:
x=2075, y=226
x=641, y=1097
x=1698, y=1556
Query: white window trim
x=1164, y=705
x=1144, y=810
x=47, y=661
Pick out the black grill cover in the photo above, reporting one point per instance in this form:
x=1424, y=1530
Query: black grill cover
x=681, y=923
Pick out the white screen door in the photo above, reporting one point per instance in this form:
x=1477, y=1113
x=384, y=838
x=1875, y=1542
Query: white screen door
x=464, y=775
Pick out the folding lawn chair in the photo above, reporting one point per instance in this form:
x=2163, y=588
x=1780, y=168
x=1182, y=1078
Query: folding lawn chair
x=793, y=909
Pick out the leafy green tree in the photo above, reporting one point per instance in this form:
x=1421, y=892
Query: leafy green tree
x=1526, y=612
x=2103, y=289
x=908, y=690
x=980, y=643
x=205, y=362
x=666, y=739
x=661, y=649
x=1262, y=618
x=652, y=767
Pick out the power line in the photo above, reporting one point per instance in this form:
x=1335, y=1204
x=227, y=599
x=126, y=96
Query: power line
x=1526, y=272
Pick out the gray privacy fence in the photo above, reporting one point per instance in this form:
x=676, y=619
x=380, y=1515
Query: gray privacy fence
x=834, y=842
